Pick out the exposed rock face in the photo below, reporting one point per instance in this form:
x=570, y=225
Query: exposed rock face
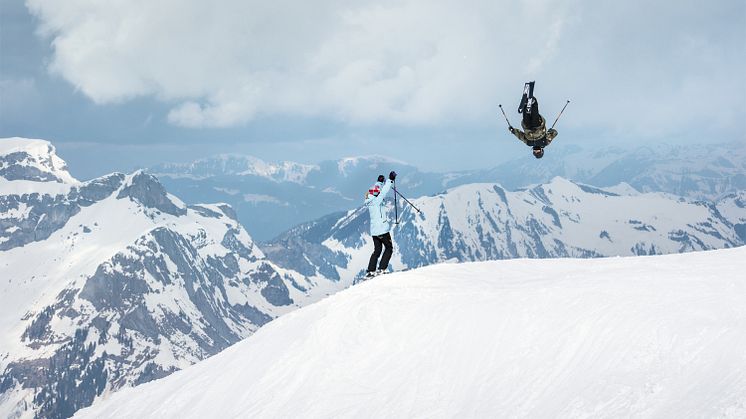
x=149, y=192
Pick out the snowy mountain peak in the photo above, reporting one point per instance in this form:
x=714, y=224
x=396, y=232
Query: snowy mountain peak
x=623, y=188
x=559, y=181
x=149, y=192
x=347, y=163
x=33, y=160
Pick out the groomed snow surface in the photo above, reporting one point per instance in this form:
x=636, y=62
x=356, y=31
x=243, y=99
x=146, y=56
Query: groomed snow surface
x=655, y=336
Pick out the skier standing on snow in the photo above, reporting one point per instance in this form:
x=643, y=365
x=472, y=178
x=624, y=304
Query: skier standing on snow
x=534, y=132
x=379, y=225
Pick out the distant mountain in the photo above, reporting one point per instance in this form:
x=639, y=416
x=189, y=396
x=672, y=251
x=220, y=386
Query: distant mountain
x=114, y=282
x=629, y=337
x=270, y=198
x=485, y=222
x=237, y=165
x=692, y=171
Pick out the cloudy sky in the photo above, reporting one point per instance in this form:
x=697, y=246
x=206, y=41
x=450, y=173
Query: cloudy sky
x=126, y=83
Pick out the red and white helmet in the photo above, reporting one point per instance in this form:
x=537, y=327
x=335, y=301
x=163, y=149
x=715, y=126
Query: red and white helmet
x=375, y=190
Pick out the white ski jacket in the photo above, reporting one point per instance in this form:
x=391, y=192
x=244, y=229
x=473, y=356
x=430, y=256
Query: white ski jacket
x=379, y=220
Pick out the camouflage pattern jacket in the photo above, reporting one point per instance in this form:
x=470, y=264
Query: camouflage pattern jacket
x=536, y=137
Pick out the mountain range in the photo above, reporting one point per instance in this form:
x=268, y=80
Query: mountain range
x=484, y=221
x=270, y=198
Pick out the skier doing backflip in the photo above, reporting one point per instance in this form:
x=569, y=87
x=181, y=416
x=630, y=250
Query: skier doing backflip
x=534, y=132
x=379, y=225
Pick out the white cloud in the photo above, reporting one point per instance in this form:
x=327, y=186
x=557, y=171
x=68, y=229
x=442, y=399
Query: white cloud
x=412, y=62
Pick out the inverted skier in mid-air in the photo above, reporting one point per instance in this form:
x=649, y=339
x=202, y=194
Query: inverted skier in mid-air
x=535, y=133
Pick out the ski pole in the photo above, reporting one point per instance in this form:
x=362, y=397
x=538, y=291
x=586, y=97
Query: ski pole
x=560, y=114
x=404, y=198
x=506, y=116
x=396, y=205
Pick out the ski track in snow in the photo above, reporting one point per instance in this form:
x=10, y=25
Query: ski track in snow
x=656, y=336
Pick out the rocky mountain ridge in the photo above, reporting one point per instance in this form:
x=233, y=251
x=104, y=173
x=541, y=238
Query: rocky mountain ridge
x=479, y=222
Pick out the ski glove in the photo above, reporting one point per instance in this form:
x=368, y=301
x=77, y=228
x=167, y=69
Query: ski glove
x=392, y=175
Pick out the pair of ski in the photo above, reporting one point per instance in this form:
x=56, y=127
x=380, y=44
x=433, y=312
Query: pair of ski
x=367, y=277
x=526, y=102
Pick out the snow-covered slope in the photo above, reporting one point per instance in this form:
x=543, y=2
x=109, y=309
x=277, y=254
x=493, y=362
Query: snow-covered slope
x=486, y=222
x=644, y=337
x=114, y=282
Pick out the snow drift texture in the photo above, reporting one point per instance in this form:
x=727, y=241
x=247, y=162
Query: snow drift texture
x=655, y=336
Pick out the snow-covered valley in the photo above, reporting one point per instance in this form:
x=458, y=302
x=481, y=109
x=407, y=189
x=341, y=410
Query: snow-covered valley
x=646, y=336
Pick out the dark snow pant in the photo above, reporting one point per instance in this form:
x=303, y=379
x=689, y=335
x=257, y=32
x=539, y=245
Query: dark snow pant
x=531, y=117
x=378, y=243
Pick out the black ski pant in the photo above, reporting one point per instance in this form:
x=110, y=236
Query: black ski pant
x=378, y=243
x=531, y=117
